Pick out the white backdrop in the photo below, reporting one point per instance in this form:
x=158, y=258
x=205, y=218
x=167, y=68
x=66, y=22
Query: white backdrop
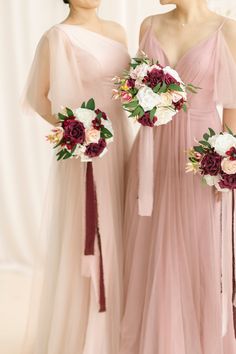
x=24, y=154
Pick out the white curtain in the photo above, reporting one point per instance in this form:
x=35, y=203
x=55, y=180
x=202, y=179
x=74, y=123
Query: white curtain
x=24, y=154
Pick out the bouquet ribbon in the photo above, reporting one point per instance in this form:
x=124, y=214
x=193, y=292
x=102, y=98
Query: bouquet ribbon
x=93, y=238
x=146, y=173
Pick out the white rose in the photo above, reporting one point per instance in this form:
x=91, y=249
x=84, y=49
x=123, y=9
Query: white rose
x=222, y=143
x=86, y=116
x=155, y=66
x=164, y=115
x=139, y=72
x=166, y=99
x=228, y=166
x=147, y=98
x=172, y=72
x=211, y=180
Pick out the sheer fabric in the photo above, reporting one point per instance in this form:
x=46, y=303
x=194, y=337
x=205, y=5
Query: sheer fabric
x=173, y=258
x=76, y=64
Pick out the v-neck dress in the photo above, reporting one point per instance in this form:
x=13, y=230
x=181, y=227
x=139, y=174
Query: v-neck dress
x=178, y=262
x=80, y=64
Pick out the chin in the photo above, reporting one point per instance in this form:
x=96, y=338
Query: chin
x=167, y=2
x=86, y=4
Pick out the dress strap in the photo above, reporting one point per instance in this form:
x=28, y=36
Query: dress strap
x=223, y=23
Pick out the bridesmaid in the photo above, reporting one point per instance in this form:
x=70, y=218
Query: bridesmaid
x=74, y=61
x=173, y=259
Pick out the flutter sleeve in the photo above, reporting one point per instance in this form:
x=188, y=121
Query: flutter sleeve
x=225, y=73
x=38, y=83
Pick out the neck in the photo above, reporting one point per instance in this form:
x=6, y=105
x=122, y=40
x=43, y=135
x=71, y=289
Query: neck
x=82, y=16
x=185, y=13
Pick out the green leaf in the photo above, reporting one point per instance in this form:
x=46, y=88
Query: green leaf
x=229, y=130
x=62, y=116
x=69, y=112
x=157, y=87
x=190, y=89
x=211, y=131
x=185, y=107
x=199, y=149
x=73, y=150
x=152, y=113
x=138, y=112
x=105, y=133
x=206, y=136
x=99, y=115
x=91, y=104
x=60, y=154
x=205, y=143
x=67, y=155
x=163, y=88
x=83, y=105
x=175, y=87
x=132, y=104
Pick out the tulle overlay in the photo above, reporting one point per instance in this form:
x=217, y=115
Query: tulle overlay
x=80, y=65
x=174, y=260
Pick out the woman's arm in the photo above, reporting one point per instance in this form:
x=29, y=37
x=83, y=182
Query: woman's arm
x=39, y=84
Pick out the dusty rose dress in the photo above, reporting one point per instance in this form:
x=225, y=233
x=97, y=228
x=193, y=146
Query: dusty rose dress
x=80, y=64
x=176, y=300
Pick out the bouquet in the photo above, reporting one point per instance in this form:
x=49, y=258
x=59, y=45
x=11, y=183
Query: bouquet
x=151, y=93
x=214, y=158
x=82, y=133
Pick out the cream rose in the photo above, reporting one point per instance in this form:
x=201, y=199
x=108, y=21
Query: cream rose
x=148, y=99
x=166, y=99
x=228, y=166
x=211, y=180
x=164, y=115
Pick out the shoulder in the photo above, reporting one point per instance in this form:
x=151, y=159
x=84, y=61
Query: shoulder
x=155, y=20
x=229, y=31
x=117, y=30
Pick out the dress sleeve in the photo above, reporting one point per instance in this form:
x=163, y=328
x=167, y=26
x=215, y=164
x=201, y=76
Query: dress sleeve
x=38, y=82
x=225, y=73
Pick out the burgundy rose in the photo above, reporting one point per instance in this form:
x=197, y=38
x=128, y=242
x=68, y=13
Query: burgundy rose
x=74, y=132
x=231, y=153
x=97, y=124
x=146, y=121
x=228, y=181
x=95, y=149
x=170, y=79
x=98, y=111
x=154, y=77
x=179, y=105
x=131, y=83
x=211, y=164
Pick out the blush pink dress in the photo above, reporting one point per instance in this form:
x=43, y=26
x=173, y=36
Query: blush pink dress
x=177, y=302
x=77, y=64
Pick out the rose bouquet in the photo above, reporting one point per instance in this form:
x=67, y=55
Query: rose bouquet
x=151, y=93
x=214, y=158
x=83, y=132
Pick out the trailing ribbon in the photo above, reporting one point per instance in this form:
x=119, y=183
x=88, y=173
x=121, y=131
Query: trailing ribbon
x=233, y=263
x=92, y=232
x=146, y=174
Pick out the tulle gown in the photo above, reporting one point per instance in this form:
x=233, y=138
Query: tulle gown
x=80, y=64
x=176, y=300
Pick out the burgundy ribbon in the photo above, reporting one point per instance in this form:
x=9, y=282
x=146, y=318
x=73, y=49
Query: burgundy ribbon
x=92, y=231
x=234, y=259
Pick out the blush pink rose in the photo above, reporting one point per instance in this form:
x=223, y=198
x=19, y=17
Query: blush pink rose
x=92, y=135
x=228, y=166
